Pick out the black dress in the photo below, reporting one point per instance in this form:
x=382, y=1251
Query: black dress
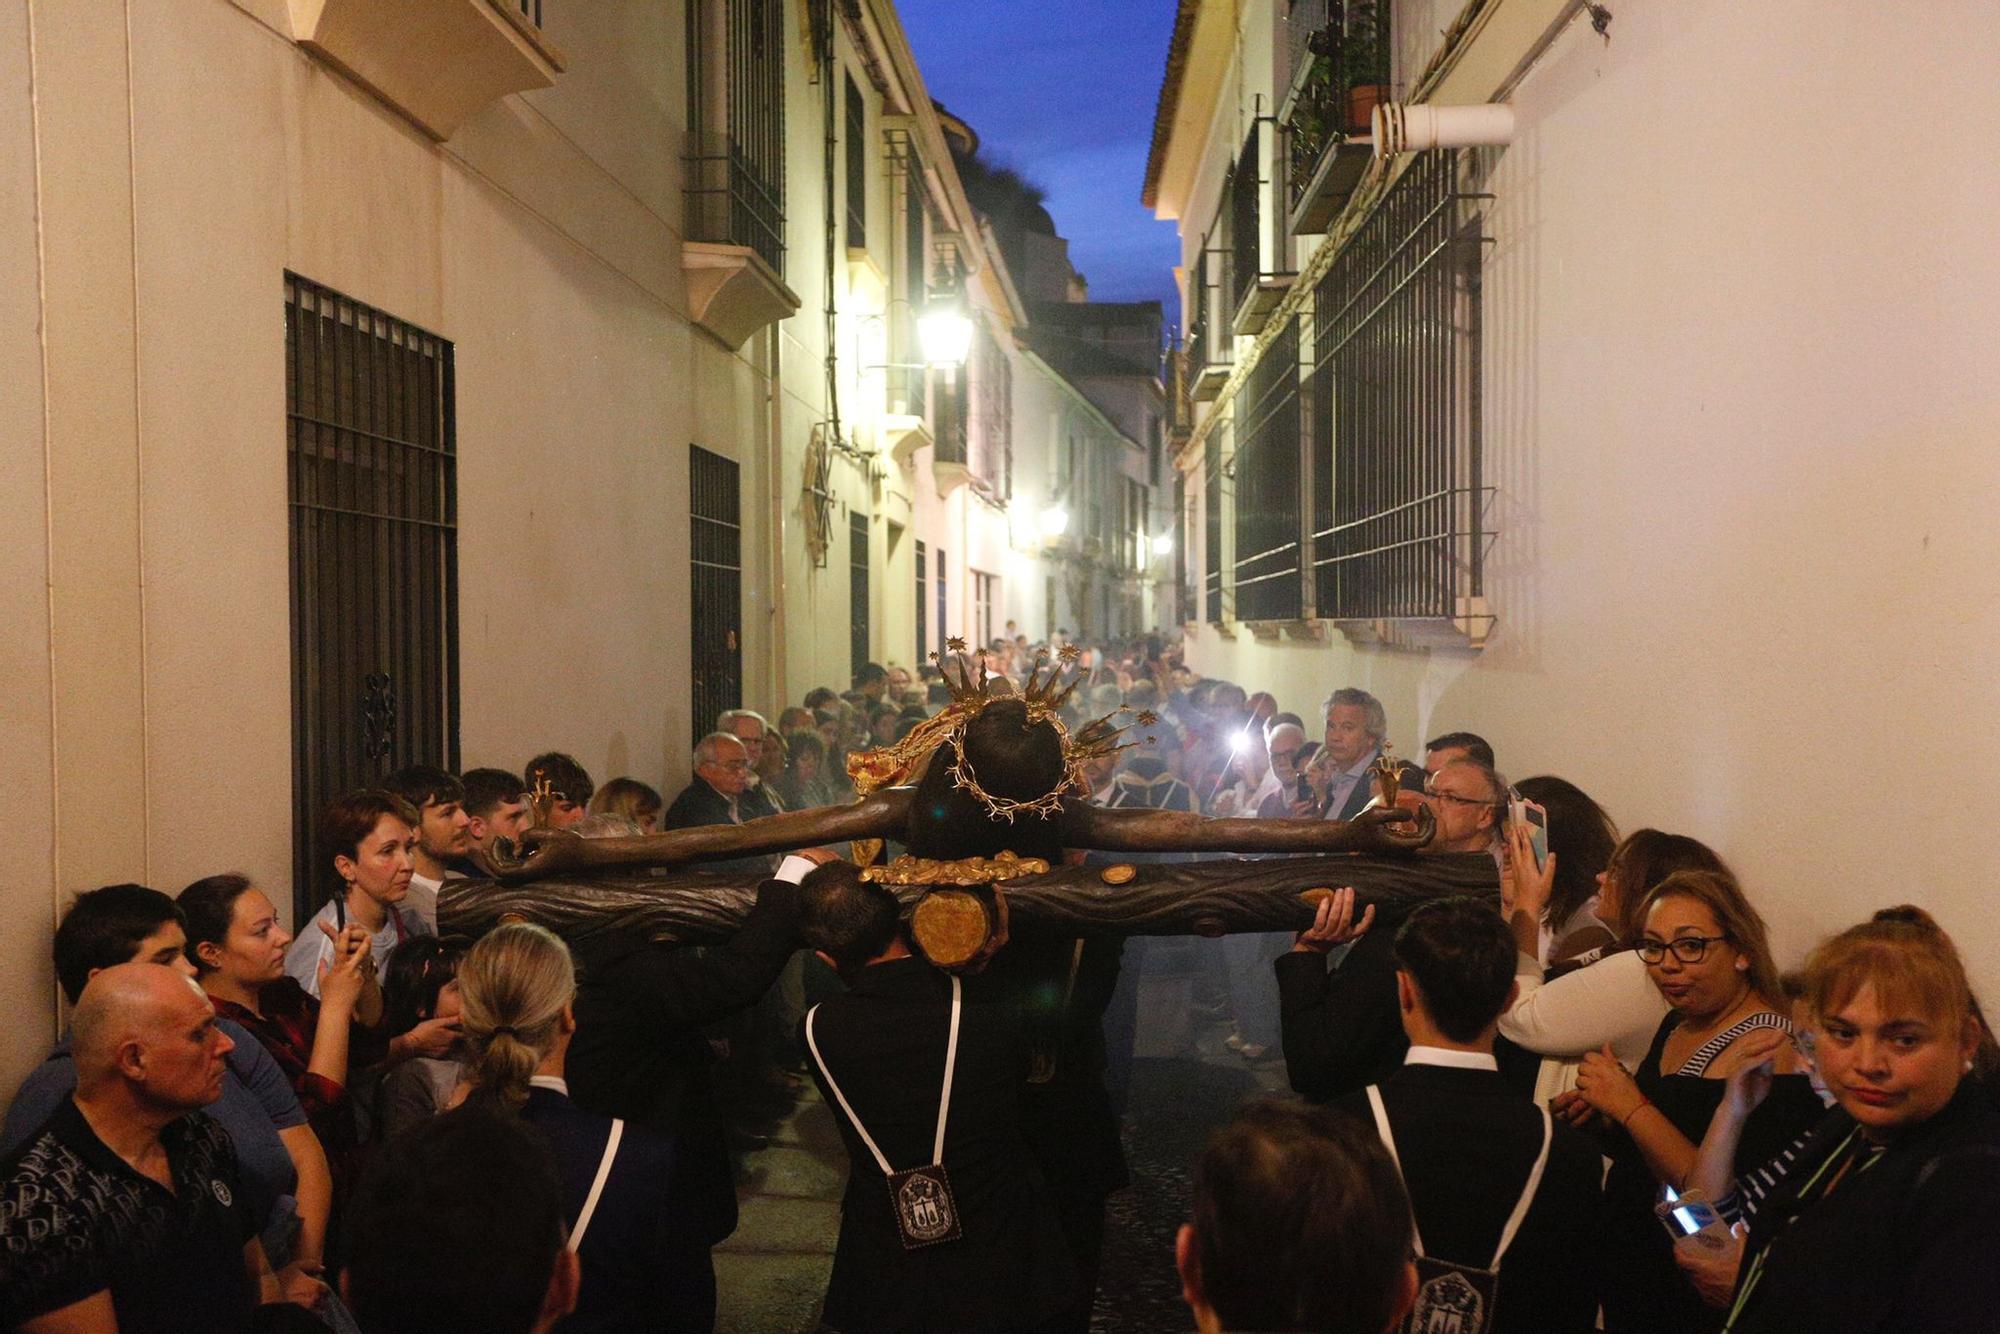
x=1644, y=1290
x=1905, y=1240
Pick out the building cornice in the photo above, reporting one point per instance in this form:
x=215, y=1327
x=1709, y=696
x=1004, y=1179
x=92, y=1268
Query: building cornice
x=1170, y=98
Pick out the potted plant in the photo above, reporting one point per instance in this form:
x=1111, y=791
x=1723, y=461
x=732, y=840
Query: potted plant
x=1364, y=59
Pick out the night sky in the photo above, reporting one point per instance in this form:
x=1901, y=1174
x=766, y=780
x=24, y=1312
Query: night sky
x=1063, y=91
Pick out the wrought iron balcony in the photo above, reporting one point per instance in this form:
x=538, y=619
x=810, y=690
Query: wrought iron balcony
x=1339, y=69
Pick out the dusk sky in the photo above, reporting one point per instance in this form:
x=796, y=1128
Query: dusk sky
x=1064, y=93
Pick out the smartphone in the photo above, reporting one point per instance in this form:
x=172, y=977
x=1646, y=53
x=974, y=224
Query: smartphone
x=1691, y=1215
x=1522, y=811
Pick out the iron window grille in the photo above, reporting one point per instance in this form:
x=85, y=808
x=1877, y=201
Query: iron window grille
x=992, y=391
x=857, y=167
x=923, y=601
x=715, y=567
x=1244, y=189
x=715, y=559
x=1211, y=515
x=736, y=125
x=1399, y=522
x=985, y=592
x=857, y=591
x=943, y=619
x=1268, y=586
x=372, y=487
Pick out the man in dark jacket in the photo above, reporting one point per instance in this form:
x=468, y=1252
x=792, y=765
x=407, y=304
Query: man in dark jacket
x=1470, y=1148
x=926, y=1071
x=639, y=1052
x=717, y=795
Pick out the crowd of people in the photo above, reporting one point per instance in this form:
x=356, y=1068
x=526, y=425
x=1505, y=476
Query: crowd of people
x=1589, y=1100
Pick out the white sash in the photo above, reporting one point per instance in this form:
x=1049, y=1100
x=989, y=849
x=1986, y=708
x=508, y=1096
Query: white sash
x=1527, y=1194
x=944, y=1099
x=597, y=1186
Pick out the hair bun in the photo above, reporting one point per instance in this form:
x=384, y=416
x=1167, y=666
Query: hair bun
x=1907, y=914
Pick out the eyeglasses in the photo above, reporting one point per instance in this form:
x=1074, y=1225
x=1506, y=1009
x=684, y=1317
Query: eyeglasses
x=1688, y=949
x=735, y=766
x=1453, y=796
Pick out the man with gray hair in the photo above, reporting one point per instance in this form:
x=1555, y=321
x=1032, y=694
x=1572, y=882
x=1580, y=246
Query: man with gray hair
x=1356, y=727
x=126, y=1209
x=715, y=796
x=749, y=727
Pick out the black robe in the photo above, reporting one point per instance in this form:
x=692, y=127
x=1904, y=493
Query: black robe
x=884, y=1042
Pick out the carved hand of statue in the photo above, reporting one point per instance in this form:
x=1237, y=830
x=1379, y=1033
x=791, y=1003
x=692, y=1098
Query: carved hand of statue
x=1393, y=829
x=544, y=852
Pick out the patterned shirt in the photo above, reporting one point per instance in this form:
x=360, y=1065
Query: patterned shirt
x=77, y=1220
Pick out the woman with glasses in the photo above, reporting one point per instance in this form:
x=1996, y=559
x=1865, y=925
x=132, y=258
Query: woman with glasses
x=1611, y=1001
x=1704, y=949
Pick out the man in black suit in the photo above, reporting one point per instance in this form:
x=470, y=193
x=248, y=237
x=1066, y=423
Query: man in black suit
x=1357, y=726
x=639, y=1051
x=1469, y=1147
x=983, y=1251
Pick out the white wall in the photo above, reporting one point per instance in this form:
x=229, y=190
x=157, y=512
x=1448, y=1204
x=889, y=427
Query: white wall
x=1741, y=402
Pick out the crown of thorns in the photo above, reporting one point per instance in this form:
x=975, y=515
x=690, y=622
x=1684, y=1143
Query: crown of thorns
x=1043, y=694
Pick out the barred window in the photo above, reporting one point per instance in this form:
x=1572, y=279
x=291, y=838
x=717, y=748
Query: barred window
x=1399, y=514
x=736, y=124
x=1268, y=586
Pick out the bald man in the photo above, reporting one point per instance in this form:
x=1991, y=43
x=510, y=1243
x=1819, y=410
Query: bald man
x=125, y=1211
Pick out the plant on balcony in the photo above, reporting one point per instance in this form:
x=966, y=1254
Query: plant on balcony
x=1363, y=57
x=1314, y=125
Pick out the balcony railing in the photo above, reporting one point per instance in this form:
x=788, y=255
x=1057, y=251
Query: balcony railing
x=1339, y=70
x=729, y=201
x=1210, y=348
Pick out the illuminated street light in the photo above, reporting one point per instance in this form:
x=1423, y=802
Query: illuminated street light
x=945, y=334
x=1055, y=521
x=1163, y=545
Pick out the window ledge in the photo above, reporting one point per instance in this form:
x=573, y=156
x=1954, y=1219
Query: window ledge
x=1468, y=628
x=902, y=436
x=435, y=61
x=949, y=477
x=732, y=292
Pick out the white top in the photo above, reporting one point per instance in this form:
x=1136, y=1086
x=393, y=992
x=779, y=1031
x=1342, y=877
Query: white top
x=1612, y=1000
x=1459, y=1060
x=554, y=1083
x=312, y=947
x=423, y=900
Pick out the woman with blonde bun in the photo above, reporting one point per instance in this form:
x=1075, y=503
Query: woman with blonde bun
x=644, y=1264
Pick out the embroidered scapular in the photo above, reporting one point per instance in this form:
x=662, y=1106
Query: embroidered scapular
x=921, y=1199
x=1455, y=1298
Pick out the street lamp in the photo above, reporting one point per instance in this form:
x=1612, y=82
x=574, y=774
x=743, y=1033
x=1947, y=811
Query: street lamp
x=1055, y=521
x=1163, y=545
x=945, y=334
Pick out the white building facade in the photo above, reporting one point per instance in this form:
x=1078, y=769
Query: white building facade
x=1653, y=445
x=452, y=380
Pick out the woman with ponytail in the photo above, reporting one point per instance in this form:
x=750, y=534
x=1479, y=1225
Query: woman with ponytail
x=645, y=1264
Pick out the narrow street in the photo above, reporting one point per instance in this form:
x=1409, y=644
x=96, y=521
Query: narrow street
x=772, y=1272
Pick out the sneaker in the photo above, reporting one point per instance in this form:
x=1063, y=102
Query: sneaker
x=1234, y=1042
x=1252, y=1051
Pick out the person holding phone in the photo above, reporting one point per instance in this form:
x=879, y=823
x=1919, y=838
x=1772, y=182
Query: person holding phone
x=1705, y=949
x=1612, y=1002
x=1882, y=1217
x=1582, y=837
